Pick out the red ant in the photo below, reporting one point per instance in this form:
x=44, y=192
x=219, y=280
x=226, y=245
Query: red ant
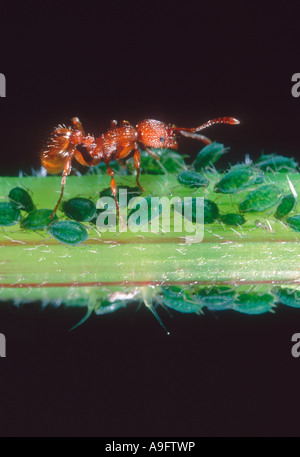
x=118, y=143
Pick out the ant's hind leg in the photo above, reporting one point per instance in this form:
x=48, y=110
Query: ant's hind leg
x=137, y=164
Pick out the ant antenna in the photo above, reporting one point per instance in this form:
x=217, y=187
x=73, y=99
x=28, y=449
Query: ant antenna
x=219, y=120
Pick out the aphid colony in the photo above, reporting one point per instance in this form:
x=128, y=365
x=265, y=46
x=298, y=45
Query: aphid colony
x=194, y=299
x=247, y=180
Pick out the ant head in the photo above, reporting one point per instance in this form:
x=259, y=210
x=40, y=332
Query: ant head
x=156, y=134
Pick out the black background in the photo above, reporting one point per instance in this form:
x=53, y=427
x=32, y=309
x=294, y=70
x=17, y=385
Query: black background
x=184, y=63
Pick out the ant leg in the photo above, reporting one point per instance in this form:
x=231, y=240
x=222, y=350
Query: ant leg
x=79, y=157
x=137, y=164
x=125, y=152
x=66, y=172
x=114, y=188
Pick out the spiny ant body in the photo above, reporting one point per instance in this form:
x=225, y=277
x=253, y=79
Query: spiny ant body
x=118, y=143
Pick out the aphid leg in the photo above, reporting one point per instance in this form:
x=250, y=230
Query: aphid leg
x=88, y=314
x=137, y=164
x=148, y=293
x=66, y=172
x=155, y=156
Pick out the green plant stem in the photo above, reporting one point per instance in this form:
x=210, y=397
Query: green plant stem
x=250, y=255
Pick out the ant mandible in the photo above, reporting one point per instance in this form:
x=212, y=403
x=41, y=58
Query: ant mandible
x=118, y=143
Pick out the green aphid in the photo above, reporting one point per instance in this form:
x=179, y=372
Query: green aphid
x=211, y=211
x=153, y=209
x=286, y=206
x=215, y=298
x=233, y=219
x=294, y=222
x=239, y=178
x=261, y=199
x=269, y=162
x=9, y=214
x=21, y=199
x=175, y=298
x=132, y=192
x=192, y=179
x=79, y=209
x=288, y=297
x=209, y=155
x=254, y=303
x=169, y=162
x=38, y=220
x=68, y=232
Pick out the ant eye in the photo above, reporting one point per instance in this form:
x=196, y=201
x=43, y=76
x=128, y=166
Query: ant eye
x=162, y=139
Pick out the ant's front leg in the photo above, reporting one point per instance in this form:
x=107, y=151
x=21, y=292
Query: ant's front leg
x=189, y=133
